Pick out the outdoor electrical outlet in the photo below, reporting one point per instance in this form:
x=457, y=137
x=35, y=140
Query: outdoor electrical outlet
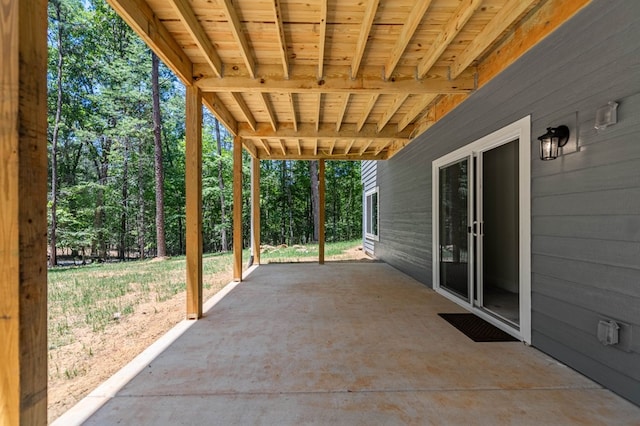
x=608, y=332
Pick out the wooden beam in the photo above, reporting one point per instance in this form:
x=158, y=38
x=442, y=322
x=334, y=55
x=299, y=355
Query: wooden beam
x=326, y=131
x=380, y=148
x=246, y=111
x=237, y=209
x=367, y=110
x=321, y=211
x=347, y=150
x=388, y=114
x=315, y=147
x=309, y=155
x=236, y=29
x=336, y=79
x=283, y=147
x=193, y=191
x=195, y=30
x=299, y=145
x=363, y=36
x=269, y=109
x=255, y=209
x=332, y=146
x=23, y=213
x=294, y=120
x=408, y=29
x=139, y=16
x=341, y=111
x=217, y=108
x=322, y=36
x=454, y=25
x=365, y=147
x=538, y=26
x=419, y=106
x=284, y=57
x=505, y=17
x=265, y=145
x=250, y=146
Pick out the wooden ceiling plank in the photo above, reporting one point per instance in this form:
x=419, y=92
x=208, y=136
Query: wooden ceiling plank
x=389, y=112
x=454, y=25
x=283, y=147
x=318, y=111
x=415, y=110
x=326, y=131
x=236, y=28
x=246, y=111
x=336, y=80
x=367, y=110
x=194, y=28
x=294, y=120
x=217, y=108
x=500, y=22
x=270, y=112
x=363, y=37
x=265, y=145
x=139, y=16
x=341, y=111
x=408, y=29
x=284, y=57
x=322, y=37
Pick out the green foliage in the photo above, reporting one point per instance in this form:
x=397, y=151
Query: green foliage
x=106, y=193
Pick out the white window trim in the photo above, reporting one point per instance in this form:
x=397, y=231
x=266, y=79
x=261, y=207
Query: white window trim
x=368, y=235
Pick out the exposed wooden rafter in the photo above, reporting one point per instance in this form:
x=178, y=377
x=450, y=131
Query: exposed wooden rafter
x=292, y=106
x=193, y=27
x=217, y=108
x=267, y=106
x=326, y=131
x=341, y=111
x=464, y=12
x=236, y=28
x=281, y=38
x=409, y=27
x=322, y=37
x=246, y=111
x=318, y=110
x=363, y=36
x=367, y=110
x=389, y=112
x=283, y=147
x=419, y=106
x=265, y=146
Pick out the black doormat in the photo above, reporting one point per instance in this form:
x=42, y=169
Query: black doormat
x=477, y=329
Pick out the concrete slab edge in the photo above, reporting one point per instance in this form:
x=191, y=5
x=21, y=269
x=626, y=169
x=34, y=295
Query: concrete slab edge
x=87, y=406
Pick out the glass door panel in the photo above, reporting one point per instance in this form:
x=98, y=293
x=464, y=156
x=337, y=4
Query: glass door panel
x=454, y=225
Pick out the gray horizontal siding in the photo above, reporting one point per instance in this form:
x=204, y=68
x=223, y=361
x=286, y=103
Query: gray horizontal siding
x=369, y=182
x=585, y=205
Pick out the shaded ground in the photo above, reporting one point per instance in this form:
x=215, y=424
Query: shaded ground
x=75, y=369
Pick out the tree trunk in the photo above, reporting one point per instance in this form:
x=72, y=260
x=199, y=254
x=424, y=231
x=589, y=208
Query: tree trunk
x=122, y=249
x=223, y=218
x=159, y=170
x=315, y=198
x=53, y=259
x=141, y=241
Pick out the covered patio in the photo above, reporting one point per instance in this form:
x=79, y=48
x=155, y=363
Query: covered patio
x=346, y=343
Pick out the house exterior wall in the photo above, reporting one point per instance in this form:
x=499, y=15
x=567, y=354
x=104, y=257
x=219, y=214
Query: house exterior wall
x=369, y=182
x=585, y=206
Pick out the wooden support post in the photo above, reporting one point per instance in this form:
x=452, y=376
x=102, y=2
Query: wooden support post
x=321, y=185
x=255, y=209
x=193, y=181
x=23, y=213
x=237, y=209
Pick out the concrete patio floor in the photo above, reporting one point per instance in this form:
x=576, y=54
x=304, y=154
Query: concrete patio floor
x=343, y=343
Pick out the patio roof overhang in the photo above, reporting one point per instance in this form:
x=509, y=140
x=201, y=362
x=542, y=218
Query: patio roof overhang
x=338, y=79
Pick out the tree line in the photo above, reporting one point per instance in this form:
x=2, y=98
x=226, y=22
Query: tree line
x=117, y=155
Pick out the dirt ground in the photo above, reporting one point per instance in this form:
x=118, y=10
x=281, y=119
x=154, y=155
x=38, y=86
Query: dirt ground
x=76, y=369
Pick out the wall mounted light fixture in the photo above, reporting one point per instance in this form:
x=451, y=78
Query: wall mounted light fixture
x=556, y=137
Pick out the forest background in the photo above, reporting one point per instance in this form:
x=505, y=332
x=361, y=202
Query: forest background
x=117, y=155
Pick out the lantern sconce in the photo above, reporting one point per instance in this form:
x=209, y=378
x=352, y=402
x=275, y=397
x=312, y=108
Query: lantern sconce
x=550, y=142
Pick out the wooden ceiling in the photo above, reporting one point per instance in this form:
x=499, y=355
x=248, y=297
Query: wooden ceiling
x=338, y=79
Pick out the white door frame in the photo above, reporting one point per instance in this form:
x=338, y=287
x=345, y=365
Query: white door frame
x=520, y=130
